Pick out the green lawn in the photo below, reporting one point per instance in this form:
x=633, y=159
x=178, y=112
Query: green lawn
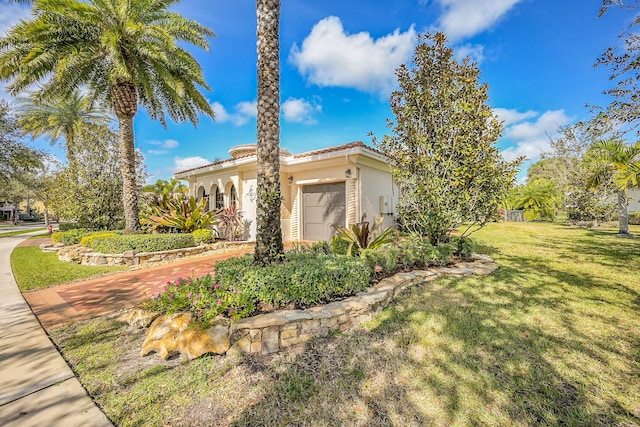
x=552, y=338
x=18, y=232
x=35, y=269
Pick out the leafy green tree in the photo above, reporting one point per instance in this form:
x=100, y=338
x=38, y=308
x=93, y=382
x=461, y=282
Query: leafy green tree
x=93, y=197
x=570, y=174
x=59, y=117
x=443, y=149
x=613, y=158
x=125, y=52
x=15, y=156
x=167, y=188
x=269, y=246
x=624, y=62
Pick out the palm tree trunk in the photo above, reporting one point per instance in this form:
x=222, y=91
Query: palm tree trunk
x=623, y=214
x=125, y=102
x=269, y=247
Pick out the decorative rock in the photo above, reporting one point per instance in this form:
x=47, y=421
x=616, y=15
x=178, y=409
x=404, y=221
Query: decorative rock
x=169, y=335
x=270, y=340
x=139, y=317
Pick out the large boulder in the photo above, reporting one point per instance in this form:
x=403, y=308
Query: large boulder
x=177, y=334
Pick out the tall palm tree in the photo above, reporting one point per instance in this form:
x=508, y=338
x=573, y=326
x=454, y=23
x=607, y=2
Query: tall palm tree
x=125, y=52
x=59, y=117
x=269, y=247
x=613, y=158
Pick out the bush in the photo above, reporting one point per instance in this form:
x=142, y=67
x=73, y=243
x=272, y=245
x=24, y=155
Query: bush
x=418, y=252
x=88, y=239
x=203, y=235
x=339, y=246
x=384, y=256
x=142, y=243
x=204, y=299
x=634, y=218
x=70, y=237
x=302, y=279
x=66, y=226
x=465, y=248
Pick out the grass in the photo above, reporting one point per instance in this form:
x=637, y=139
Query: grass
x=19, y=232
x=35, y=269
x=552, y=338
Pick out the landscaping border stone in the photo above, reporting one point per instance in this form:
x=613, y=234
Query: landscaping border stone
x=272, y=332
x=82, y=255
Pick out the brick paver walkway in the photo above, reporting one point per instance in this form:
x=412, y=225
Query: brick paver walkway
x=71, y=302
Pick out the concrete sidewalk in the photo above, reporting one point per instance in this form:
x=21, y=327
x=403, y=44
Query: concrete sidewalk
x=37, y=386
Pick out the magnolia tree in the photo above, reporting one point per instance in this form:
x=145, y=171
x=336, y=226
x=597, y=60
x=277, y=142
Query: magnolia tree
x=443, y=151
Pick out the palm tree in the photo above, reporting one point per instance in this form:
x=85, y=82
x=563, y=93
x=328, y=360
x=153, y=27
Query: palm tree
x=613, y=158
x=269, y=247
x=125, y=52
x=59, y=117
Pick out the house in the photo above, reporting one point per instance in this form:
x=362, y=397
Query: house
x=320, y=189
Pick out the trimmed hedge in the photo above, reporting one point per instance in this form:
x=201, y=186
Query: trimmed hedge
x=70, y=237
x=203, y=235
x=142, y=243
x=303, y=278
x=634, y=218
x=87, y=240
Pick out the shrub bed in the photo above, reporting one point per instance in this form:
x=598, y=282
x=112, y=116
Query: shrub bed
x=203, y=235
x=634, y=218
x=88, y=239
x=70, y=237
x=303, y=279
x=141, y=243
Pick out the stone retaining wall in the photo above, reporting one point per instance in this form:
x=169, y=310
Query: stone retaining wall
x=269, y=333
x=82, y=255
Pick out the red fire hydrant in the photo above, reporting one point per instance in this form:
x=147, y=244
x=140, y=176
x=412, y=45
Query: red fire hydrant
x=49, y=229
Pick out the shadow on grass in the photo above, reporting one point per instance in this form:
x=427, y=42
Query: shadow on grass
x=532, y=344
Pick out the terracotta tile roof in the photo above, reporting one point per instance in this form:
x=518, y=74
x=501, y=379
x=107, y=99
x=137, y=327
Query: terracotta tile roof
x=354, y=144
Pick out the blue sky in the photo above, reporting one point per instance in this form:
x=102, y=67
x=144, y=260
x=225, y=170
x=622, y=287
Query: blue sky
x=337, y=70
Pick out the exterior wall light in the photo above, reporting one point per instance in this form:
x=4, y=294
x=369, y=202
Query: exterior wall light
x=347, y=173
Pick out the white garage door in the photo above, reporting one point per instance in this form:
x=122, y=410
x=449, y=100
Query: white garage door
x=324, y=206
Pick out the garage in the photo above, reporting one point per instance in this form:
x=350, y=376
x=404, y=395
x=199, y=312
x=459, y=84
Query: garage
x=324, y=206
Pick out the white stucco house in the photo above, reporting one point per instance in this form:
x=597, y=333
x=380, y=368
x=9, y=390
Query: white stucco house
x=321, y=188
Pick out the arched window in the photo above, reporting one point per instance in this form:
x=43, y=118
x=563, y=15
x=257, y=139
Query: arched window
x=233, y=196
x=219, y=199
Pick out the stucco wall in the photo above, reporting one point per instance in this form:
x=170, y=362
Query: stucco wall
x=375, y=183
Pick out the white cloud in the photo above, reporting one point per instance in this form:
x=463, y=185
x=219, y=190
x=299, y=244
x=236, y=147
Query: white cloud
x=473, y=51
x=300, y=111
x=163, y=146
x=530, y=138
x=184, y=163
x=244, y=112
x=331, y=57
x=170, y=143
x=513, y=116
x=465, y=18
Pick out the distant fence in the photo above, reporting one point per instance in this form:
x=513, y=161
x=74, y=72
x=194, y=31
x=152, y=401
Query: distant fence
x=514, y=215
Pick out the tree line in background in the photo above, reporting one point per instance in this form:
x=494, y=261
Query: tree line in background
x=593, y=164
